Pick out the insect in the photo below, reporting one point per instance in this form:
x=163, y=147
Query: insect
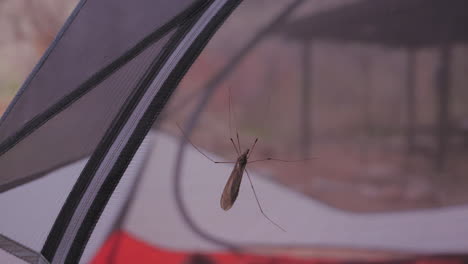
x=231, y=189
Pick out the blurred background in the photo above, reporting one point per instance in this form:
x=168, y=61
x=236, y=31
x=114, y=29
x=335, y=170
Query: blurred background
x=28, y=28
x=369, y=111
x=373, y=100
x=385, y=114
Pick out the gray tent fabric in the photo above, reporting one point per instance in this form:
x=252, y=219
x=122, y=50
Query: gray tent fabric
x=54, y=86
x=93, y=113
x=95, y=93
x=92, y=40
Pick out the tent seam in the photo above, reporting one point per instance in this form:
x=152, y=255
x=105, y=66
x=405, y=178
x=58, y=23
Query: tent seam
x=68, y=209
x=91, y=83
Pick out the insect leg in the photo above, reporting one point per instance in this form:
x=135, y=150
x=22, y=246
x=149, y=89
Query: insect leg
x=281, y=160
x=201, y=152
x=258, y=202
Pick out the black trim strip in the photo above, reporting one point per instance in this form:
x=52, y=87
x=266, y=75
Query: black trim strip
x=20, y=251
x=122, y=118
x=97, y=78
x=66, y=213
x=144, y=125
x=12, y=184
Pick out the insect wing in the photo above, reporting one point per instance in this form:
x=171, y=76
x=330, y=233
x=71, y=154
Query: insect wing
x=231, y=190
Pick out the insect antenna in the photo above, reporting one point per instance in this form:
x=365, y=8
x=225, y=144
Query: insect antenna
x=238, y=142
x=258, y=203
x=232, y=113
x=235, y=147
x=252, y=148
x=229, y=113
x=281, y=160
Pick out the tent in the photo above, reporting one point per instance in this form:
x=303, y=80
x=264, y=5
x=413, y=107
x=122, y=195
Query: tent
x=84, y=178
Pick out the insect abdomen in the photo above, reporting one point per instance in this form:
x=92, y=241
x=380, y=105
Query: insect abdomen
x=231, y=190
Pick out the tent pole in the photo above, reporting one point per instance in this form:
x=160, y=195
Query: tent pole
x=367, y=132
x=410, y=102
x=443, y=92
x=306, y=93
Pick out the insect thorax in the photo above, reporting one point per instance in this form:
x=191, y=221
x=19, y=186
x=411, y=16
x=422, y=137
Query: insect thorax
x=242, y=160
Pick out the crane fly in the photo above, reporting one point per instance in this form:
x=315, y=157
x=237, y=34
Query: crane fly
x=231, y=189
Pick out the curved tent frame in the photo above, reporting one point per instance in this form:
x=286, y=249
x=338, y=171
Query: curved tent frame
x=188, y=26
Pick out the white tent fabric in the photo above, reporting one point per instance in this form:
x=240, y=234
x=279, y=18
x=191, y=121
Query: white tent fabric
x=41, y=200
x=417, y=231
